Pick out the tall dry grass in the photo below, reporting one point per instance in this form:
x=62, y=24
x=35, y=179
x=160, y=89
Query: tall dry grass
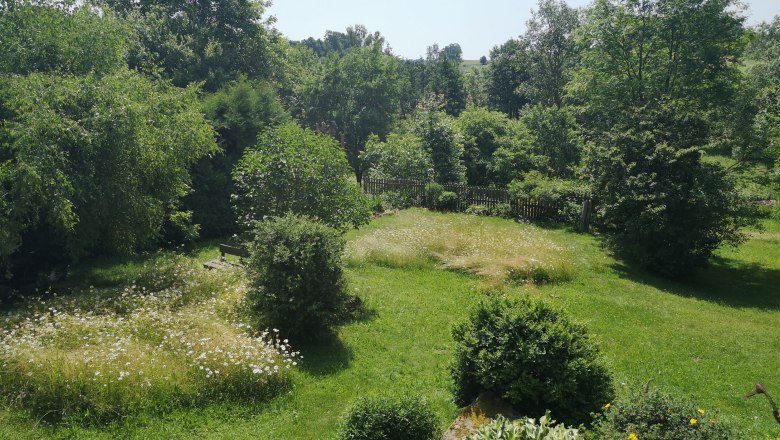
x=483, y=246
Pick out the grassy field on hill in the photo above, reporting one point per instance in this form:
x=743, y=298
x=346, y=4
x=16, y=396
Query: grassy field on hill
x=710, y=338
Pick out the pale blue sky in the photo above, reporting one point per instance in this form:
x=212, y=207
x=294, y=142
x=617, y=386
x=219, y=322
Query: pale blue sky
x=410, y=26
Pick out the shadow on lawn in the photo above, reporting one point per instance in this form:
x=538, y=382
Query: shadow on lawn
x=726, y=281
x=325, y=355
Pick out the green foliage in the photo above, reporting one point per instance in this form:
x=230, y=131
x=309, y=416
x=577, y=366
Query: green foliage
x=443, y=143
x=532, y=356
x=507, y=71
x=292, y=169
x=296, y=280
x=400, y=157
x=475, y=84
x=38, y=37
x=652, y=91
x=354, y=97
x=503, y=210
x=447, y=201
x=205, y=41
x=433, y=191
x=514, y=158
x=388, y=418
x=555, y=138
x=662, y=207
x=238, y=112
x=445, y=80
x=658, y=416
x=551, y=51
x=95, y=164
x=525, y=429
x=477, y=210
x=568, y=194
x=339, y=43
x=483, y=132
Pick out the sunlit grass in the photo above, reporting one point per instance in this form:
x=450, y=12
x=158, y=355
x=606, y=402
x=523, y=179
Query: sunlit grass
x=708, y=339
x=482, y=246
x=108, y=353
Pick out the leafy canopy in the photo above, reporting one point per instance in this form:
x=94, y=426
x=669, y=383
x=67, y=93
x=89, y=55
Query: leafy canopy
x=100, y=162
x=292, y=169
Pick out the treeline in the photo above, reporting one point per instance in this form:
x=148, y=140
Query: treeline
x=126, y=125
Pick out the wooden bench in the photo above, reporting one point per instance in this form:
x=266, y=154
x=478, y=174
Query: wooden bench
x=222, y=262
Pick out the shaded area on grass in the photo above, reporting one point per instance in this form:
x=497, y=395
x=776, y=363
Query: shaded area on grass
x=325, y=355
x=727, y=282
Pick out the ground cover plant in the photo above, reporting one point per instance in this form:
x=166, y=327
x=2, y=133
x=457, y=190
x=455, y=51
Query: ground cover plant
x=545, y=428
x=708, y=340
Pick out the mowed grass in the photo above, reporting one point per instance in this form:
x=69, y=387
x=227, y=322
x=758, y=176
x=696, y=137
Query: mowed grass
x=710, y=338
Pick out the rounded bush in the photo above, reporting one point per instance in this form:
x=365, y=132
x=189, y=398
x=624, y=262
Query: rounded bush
x=658, y=416
x=433, y=191
x=295, y=275
x=447, y=201
x=532, y=356
x=387, y=418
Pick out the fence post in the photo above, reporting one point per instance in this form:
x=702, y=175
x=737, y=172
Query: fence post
x=585, y=216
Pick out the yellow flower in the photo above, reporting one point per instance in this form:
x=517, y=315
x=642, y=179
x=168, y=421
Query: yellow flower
x=694, y=421
x=607, y=405
x=700, y=411
x=632, y=436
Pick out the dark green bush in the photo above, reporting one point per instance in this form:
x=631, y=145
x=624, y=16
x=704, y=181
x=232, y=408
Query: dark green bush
x=388, y=418
x=478, y=210
x=396, y=200
x=447, y=201
x=503, y=210
x=657, y=416
x=532, y=356
x=432, y=192
x=295, y=275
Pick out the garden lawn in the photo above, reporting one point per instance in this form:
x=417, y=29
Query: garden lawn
x=710, y=339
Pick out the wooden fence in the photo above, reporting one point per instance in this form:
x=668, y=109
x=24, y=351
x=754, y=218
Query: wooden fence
x=490, y=198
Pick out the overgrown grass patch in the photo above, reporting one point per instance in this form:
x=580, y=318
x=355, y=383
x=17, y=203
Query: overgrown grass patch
x=107, y=354
x=483, y=246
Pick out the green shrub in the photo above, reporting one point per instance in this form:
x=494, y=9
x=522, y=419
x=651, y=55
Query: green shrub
x=388, y=418
x=532, y=356
x=447, y=201
x=397, y=200
x=295, y=275
x=399, y=157
x=525, y=429
x=776, y=211
x=432, y=192
x=478, y=210
x=503, y=210
x=657, y=416
x=297, y=170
